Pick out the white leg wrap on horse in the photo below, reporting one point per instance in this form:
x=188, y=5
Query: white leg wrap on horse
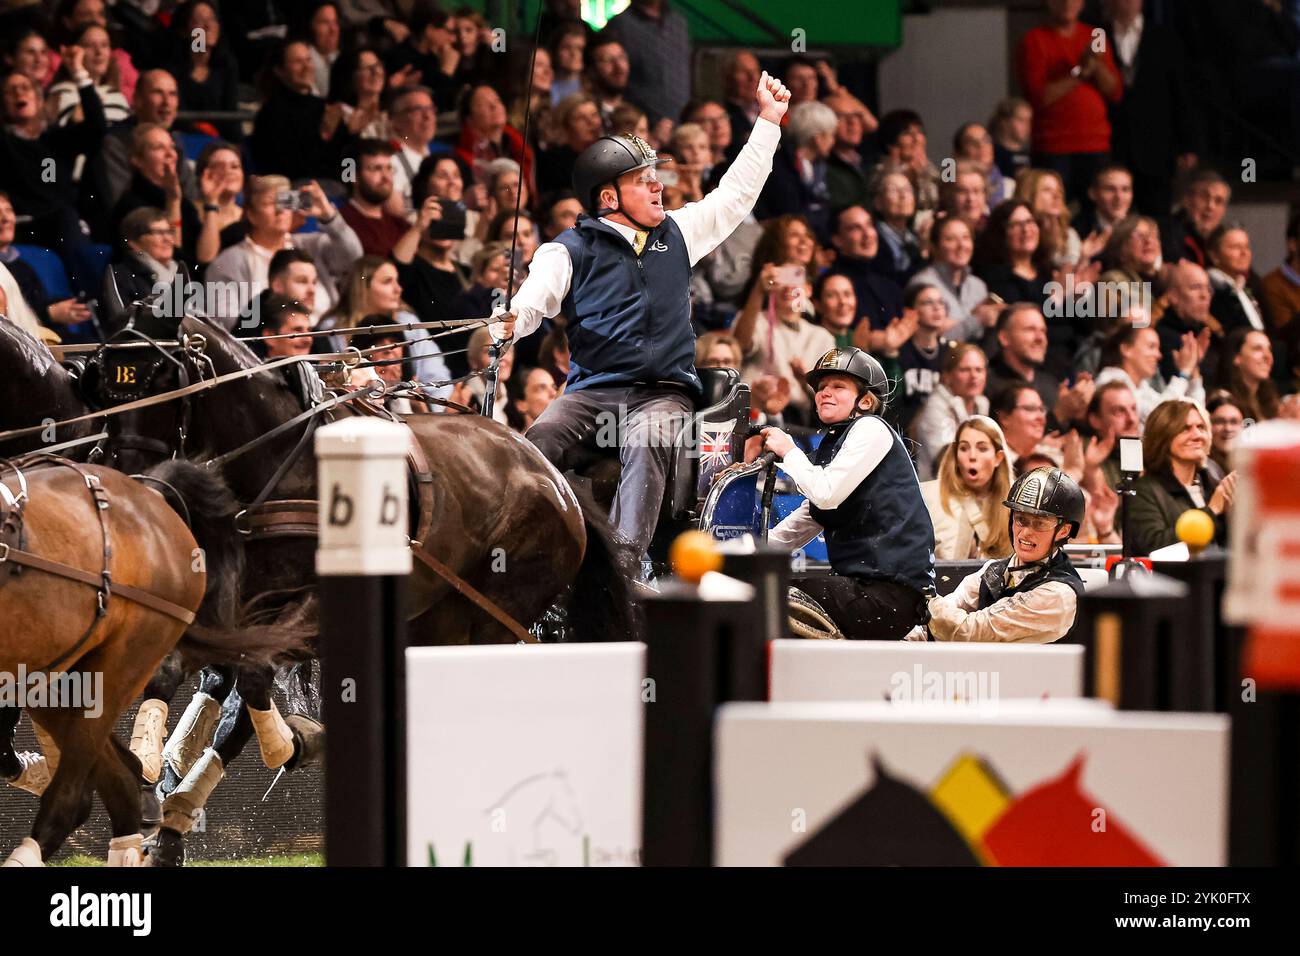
x=35, y=776
x=183, y=804
x=193, y=734
x=147, y=737
x=273, y=736
x=126, y=850
x=27, y=853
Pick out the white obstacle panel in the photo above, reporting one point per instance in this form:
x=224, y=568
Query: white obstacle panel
x=908, y=672
x=1048, y=783
x=525, y=755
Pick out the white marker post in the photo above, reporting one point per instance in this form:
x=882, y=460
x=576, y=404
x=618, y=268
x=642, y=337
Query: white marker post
x=362, y=557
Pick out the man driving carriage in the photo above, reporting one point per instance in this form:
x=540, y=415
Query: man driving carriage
x=622, y=275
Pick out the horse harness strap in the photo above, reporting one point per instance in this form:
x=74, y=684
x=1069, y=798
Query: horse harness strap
x=467, y=590
x=13, y=553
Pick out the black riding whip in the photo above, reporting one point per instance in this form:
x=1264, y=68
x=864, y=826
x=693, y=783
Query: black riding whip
x=495, y=349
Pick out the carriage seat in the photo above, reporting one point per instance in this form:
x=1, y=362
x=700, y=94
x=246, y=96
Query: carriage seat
x=715, y=439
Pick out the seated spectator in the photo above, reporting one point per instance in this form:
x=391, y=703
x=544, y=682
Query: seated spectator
x=63, y=98
x=1011, y=125
x=414, y=121
x=356, y=93
x=521, y=232
x=711, y=115
x=385, y=362
x=447, y=178
x=560, y=211
x=690, y=144
x=1175, y=446
x=1022, y=339
x=837, y=307
x=489, y=274
x=797, y=183
x=471, y=391
x=1204, y=203
x=965, y=294
x=27, y=52
x=71, y=17
x=1111, y=202
x=290, y=135
x=32, y=295
x=608, y=69
x=147, y=264
x=37, y=163
x=1112, y=415
x=292, y=274
x=372, y=208
x=474, y=43
x=1037, y=589
x=504, y=190
x=1132, y=252
x=902, y=137
x=958, y=396
x=1071, y=84
x=554, y=354
x=965, y=500
x=1281, y=289
x=270, y=225
x=568, y=46
x=973, y=143
x=920, y=358
x=894, y=206
x=578, y=125
x=718, y=350
x=658, y=47
x=1010, y=258
x=1132, y=356
x=785, y=241
x=373, y=289
x=1187, y=312
x=219, y=171
x=429, y=56
x=323, y=33
x=1226, y=422
x=967, y=196
x=155, y=183
x=1020, y=412
x=1044, y=191
x=846, y=171
x=1245, y=370
x=539, y=392
x=540, y=92
x=207, y=75
x=777, y=340
x=1237, y=291
x=428, y=272
x=630, y=120
x=15, y=309
x=485, y=136
x=857, y=248
x=284, y=316
x=156, y=103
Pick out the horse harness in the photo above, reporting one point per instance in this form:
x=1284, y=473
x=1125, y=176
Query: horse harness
x=14, y=557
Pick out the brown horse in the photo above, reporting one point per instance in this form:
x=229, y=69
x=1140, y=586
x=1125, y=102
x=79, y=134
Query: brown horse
x=111, y=635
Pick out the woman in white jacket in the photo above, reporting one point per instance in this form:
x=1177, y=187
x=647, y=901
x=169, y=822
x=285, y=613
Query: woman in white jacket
x=1132, y=356
x=965, y=501
x=958, y=396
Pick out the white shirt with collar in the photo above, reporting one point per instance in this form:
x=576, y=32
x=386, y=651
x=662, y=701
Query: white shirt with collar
x=1127, y=41
x=704, y=226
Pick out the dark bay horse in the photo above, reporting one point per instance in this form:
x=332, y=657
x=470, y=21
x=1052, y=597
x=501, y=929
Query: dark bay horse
x=35, y=389
x=502, y=518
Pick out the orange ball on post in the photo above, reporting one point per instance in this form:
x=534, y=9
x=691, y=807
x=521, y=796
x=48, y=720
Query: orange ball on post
x=693, y=554
x=1195, y=529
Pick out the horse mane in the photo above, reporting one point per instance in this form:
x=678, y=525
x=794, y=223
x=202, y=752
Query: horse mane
x=33, y=385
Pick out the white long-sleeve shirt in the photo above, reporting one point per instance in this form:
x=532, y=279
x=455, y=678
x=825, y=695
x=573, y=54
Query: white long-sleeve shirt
x=1148, y=397
x=826, y=486
x=704, y=225
x=1037, y=616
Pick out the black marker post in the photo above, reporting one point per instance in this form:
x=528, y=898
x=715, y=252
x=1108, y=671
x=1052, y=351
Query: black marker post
x=362, y=558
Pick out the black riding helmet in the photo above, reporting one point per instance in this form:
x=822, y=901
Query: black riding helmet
x=856, y=364
x=604, y=161
x=1050, y=493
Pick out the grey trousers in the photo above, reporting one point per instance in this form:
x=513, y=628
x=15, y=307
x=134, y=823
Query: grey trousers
x=642, y=422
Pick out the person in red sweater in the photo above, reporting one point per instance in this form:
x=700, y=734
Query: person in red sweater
x=1068, y=74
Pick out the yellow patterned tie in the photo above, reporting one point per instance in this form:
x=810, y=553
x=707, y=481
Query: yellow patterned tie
x=639, y=243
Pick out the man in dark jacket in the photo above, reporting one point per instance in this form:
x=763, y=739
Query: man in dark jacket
x=622, y=273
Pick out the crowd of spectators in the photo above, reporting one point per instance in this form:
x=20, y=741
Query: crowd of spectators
x=1067, y=273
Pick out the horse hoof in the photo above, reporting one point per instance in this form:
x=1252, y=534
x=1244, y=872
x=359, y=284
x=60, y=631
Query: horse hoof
x=150, y=811
x=167, y=849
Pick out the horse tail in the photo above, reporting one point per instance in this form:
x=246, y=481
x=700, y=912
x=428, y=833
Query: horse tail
x=603, y=608
x=219, y=634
